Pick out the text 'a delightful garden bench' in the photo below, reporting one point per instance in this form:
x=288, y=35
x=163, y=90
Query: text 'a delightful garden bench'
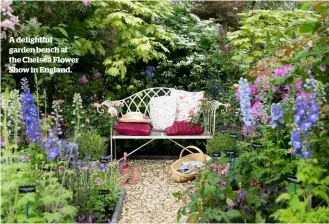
x=140, y=102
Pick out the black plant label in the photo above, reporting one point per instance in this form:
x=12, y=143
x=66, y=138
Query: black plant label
x=104, y=192
x=232, y=135
x=292, y=179
x=230, y=152
x=257, y=145
x=26, y=189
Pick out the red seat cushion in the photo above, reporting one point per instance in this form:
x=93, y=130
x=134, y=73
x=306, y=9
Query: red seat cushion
x=184, y=128
x=136, y=129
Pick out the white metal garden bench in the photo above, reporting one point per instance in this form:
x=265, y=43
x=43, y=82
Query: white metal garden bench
x=139, y=102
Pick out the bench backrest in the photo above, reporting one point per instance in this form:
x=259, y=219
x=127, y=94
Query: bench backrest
x=140, y=101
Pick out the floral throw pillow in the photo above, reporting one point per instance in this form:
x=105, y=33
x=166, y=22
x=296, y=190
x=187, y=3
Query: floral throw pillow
x=188, y=103
x=162, y=112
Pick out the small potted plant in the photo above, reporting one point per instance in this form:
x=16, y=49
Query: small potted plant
x=219, y=143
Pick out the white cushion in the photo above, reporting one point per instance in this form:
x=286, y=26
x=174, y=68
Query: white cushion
x=188, y=103
x=162, y=112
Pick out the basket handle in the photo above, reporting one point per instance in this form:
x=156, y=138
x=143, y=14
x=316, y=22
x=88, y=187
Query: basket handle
x=192, y=147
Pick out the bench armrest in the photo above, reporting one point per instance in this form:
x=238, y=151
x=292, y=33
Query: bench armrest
x=104, y=106
x=209, y=114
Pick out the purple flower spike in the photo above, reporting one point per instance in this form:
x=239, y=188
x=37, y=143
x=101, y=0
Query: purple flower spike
x=90, y=218
x=30, y=115
x=149, y=71
x=81, y=219
x=245, y=105
x=276, y=114
x=97, y=75
x=83, y=80
x=306, y=154
x=305, y=118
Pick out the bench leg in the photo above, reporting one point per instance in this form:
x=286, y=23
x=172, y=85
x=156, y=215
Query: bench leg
x=115, y=148
x=111, y=146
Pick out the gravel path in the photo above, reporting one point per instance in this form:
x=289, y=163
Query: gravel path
x=151, y=200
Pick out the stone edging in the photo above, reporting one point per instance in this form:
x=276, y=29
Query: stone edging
x=118, y=207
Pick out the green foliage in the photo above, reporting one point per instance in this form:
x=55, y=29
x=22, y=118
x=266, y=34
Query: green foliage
x=208, y=198
x=197, y=59
x=314, y=187
x=132, y=33
x=91, y=145
x=87, y=185
x=219, y=143
x=263, y=31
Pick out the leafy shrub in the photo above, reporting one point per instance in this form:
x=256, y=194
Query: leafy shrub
x=91, y=145
x=219, y=143
x=263, y=31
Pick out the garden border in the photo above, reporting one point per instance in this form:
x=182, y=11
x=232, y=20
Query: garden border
x=118, y=207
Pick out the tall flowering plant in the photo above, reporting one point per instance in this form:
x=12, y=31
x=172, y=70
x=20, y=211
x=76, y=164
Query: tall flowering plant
x=30, y=115
x=307, y=114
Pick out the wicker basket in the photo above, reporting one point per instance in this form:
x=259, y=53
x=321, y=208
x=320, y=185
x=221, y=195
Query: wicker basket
x=183, y=177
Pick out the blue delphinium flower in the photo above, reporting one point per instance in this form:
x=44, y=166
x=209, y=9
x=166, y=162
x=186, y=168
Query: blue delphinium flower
x=276, y=115
x=307, y=114
x=30, y=114
x=245, y=105
x=149, y=71
x=53, y=152
x=63, y=147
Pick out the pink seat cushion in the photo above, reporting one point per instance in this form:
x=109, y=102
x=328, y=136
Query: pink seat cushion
x=136, y=129
x=184, y=128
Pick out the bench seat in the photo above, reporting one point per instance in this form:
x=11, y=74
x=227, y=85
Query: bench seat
x=139, y=102
x=161, y=135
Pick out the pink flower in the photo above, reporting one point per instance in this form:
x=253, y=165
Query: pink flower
x=113, y=112
x=191, y=111
x=283, y=70
x=34, y=19
x=60, y=101
x=86, y=2
x=322, y=68
x=116, y=103
x=258, y=110
x=253, y=89
x=97, y=75
x=96, y=105
x=222, y=183
x=304, y=94
x=83, y=80
x=299, y=84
